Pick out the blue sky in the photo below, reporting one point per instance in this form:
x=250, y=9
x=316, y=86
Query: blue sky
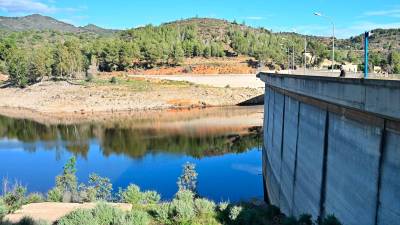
x=351, y=17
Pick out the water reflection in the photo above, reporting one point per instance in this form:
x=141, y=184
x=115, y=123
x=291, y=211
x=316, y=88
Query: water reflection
x=146, y=149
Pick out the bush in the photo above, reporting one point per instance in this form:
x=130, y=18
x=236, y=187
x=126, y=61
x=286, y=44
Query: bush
x=235, y=212
x=185, y=195
x=101, y=185
x=77, y=217
x=87, y=194
x=290, y=221
x=113, y=80
x=3, y=209
x=150, y=197
x=55, y=195
x=204, y=207
x=305, y=219
x=222, y=206
x=131, y=194
x=15, y=199
x=162, y=213
x=34, y=198
x=67, y=181
x=138, y=217
x=188, y=179
x=330, y=220
x=183, y=211
x=105, y=214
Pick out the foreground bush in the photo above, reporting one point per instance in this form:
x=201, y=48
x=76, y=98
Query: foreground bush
x=187, y=208
x=104, y=214
x=3, y=209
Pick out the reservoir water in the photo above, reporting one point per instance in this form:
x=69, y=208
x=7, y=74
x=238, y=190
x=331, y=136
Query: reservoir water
x=147, y=149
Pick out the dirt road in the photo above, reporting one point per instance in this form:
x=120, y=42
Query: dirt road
x=128, y=94
x=231, y=80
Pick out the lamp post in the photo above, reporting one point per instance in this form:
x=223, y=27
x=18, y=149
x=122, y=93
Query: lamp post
x=305, y=55
x=333, y=35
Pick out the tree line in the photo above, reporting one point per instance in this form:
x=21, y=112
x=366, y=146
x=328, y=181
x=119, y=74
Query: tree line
x=30, y=56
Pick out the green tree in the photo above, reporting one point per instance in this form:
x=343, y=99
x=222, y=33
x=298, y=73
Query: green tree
x=18, y=67
x=68, y=60
x=394, y=61
x=177, y=54
x=40, y=64
x=67, y=181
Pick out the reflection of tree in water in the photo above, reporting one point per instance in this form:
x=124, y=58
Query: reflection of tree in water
x=135, y=143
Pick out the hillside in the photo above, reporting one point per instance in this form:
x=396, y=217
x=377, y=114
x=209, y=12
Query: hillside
x=65, y=50
x=38, y=22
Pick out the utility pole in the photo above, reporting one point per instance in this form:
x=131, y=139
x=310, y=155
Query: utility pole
x=305, y=57
x=293, y=58
x=333, y=36
x=366, y=37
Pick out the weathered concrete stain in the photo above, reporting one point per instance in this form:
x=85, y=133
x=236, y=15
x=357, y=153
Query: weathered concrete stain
x=332, y=146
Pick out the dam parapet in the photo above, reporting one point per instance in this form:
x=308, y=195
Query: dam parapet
x=332, y=146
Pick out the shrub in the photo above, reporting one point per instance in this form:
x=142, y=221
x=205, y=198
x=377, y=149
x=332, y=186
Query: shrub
x=185, y=195
x=222, y=206
x=162, y=213
x=89, y=77
x=131, y=194
x=290, y=221
x=150, y=197
x=77, y=217
x=138, y=217
x=113, y=80
x=204, y=207
x=188, y=179
x=3, y=209
x=55, y=195
x=87, y=194
x=15, y=199
x=105, y=214
x=305, y=219
x=101, y=185
x=235, y=212
x=183, y=211
x=67, y=181
x=34, y=198
x=330, y=220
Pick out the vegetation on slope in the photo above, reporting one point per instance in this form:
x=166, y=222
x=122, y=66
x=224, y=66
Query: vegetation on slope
x=28, y=55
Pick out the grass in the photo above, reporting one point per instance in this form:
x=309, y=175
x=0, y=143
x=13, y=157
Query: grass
x=134, y=84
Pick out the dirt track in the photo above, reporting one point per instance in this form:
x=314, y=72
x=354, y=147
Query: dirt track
x=232, y=80
x=51, y=211
x=129, y=95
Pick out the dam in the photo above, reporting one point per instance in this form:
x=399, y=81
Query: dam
x=332, y=146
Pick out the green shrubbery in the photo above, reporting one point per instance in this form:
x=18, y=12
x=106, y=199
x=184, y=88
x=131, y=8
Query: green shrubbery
x=187, y=208
x=15, y=198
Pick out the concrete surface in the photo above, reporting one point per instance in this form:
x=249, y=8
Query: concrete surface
x=339, y=151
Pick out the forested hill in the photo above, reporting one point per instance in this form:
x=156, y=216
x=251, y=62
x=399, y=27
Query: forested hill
x=39, y=46
x=38, y=22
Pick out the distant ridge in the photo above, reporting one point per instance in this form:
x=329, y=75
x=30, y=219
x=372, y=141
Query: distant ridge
x=209, y=28
x=40, y=23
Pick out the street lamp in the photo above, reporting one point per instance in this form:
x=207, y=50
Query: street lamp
x=333, y=35
x=286, y=49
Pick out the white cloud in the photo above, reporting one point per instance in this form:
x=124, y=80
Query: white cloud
x=34, y=6
x=25, y=6
x=393, y=12
x=254, y=18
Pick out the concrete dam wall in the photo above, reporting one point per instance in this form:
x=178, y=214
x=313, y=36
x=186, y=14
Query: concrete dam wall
x=332, y=146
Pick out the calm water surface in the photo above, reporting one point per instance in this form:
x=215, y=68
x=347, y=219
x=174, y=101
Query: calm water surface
x=145, y=149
